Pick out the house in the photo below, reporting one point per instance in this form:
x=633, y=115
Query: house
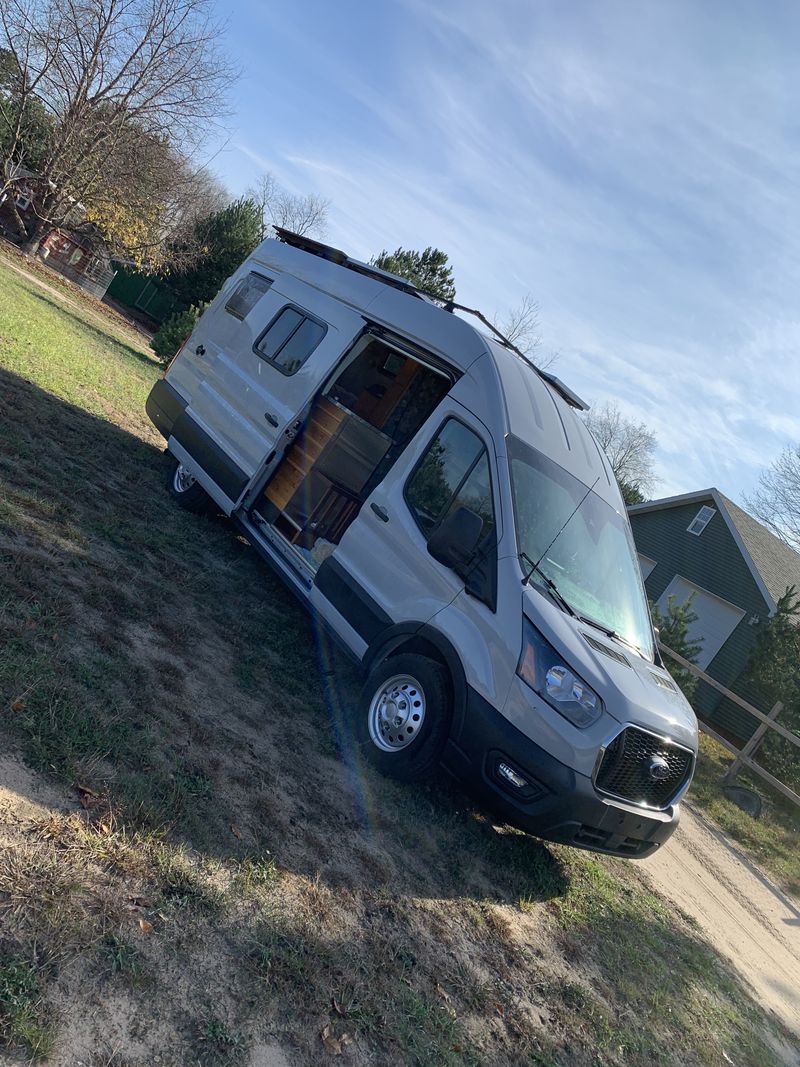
x=80, y=255
x=703, y=543
x=76, y=249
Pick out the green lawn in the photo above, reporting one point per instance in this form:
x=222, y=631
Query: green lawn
x=212, y=872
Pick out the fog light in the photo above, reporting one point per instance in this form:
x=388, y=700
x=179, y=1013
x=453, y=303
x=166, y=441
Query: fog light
x=511, y=775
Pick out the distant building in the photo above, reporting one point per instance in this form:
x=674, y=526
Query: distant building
x=76, y=249
x=703, y=543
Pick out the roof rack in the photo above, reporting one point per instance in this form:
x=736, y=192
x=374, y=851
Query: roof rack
x=336, y=255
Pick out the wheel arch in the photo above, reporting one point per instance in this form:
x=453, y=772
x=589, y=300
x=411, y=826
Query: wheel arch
x=424, y=640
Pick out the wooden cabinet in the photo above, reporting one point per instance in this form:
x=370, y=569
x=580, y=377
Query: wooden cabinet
x=323, y=422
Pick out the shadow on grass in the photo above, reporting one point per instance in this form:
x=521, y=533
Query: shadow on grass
x=189, y=683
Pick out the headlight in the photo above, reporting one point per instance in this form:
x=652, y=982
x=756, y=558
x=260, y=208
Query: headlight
x=541, y=667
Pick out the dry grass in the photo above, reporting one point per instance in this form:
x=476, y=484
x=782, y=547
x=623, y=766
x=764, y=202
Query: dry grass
x=236, y=879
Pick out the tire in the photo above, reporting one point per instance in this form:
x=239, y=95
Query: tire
x=386, y=727
x=188, y=493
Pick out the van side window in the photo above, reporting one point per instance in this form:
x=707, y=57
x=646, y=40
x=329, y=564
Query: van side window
x=246, y=294
x=289, y=340
x=454, y=473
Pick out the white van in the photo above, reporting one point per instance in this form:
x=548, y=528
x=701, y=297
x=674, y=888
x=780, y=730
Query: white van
x=440, y=506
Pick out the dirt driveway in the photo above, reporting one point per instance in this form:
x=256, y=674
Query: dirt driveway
x=748, y=918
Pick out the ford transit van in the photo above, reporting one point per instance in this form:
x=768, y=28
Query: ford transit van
x=440, y=506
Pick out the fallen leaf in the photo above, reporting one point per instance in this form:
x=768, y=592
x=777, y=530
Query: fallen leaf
x=135, y=903
x=236, y=831
x=333, y=1045
x=443, y=993
x=87, y=796
x=501, y=1011
x=337, y=1007
x=329, y=1042
x=145, y=926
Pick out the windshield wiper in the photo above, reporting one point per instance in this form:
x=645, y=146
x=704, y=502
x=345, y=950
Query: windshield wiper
x=551, y=585
x=600, y=626
x=610, y=633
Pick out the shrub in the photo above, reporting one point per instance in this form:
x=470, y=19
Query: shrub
x=673, y=627
x=175, y=330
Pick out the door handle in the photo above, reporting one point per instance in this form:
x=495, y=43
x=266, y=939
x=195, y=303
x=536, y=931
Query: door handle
x=270, y=418
x=382, y=513
x=200, y=350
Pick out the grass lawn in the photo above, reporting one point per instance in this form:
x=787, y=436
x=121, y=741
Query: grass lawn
x=192, y=865
x=773, y=838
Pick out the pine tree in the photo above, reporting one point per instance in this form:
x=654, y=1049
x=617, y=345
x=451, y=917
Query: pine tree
x=673, y=631
x=428, y=270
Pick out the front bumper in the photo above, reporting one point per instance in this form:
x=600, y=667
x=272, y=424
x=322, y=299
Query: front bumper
x=163, y=406
x=559, y=804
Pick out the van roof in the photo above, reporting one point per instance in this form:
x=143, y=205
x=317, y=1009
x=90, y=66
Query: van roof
x=537, y=414
x=538, y=407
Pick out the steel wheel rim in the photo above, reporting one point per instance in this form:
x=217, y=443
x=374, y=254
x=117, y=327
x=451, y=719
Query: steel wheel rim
x=182, y=479
x=396, y=713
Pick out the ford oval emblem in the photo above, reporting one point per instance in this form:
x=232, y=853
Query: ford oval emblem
x=658, y=769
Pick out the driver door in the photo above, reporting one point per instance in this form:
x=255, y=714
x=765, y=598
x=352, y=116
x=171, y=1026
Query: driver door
x=381, y=573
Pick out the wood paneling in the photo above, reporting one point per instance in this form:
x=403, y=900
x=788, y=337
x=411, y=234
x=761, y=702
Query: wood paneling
x=321, y=426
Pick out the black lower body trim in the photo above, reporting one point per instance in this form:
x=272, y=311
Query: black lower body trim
x=216, y=463
x=556, y=802
x=163, y=406
x=352, y=602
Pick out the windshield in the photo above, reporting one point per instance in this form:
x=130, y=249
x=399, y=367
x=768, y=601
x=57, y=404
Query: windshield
x=592, y=561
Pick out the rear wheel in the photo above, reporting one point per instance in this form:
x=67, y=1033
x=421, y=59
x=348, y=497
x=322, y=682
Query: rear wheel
x=187, y=490
x=404, y=716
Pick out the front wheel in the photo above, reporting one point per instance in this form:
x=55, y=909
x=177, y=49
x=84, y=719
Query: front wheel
x=187, y=490
x=404, y=715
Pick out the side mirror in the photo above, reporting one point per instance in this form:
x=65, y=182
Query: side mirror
x=455, y=540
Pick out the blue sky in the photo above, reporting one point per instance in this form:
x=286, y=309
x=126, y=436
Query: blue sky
x=633, y=165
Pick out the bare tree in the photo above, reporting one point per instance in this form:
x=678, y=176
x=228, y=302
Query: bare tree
x=101, y=69
x=630, y=448
x=299, y=213
x=521, y=327
x=776, y=501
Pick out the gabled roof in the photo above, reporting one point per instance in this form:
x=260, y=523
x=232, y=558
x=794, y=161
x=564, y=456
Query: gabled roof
x=774, y=565
x=777, y=563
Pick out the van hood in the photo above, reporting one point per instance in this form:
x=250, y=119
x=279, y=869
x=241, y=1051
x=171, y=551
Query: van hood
x=633, y=689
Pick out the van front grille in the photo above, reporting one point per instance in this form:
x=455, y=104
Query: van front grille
x=643, y=769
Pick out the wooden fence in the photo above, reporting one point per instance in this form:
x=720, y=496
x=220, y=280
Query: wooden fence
x=743, y=756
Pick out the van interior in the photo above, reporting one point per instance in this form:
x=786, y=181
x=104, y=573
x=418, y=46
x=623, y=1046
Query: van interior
x=355, y=430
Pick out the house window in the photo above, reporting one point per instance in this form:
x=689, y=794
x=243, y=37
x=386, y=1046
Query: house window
x=246, y=294
x=22, y=201
x=701, y=520
x=289, y=340
x=646, y=566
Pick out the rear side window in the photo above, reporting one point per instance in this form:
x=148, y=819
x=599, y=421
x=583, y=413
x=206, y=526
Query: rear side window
x=246, y=294
x=454, y=473
x=289, y=340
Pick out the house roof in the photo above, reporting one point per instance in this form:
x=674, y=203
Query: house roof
x=777, y=563
x=774, y=565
